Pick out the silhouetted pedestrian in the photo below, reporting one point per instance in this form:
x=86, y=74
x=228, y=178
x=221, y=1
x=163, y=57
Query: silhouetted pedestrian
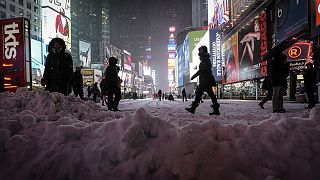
x=279, y=74
x=309, y=76
x=78, y=83
x=89, y=90
x=267, y=85
x=206, y=82
x=160, y=94
x=104, y=92
x=184, y=94
x=113, y=83
x=58, y=72
x=95, y=91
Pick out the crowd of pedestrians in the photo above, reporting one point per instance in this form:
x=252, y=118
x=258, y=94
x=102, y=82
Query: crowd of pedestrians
x=59, y=77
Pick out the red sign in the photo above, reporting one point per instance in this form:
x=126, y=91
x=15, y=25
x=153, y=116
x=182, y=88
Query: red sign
x=317, y=12
x=300, y=51
x=12, y=60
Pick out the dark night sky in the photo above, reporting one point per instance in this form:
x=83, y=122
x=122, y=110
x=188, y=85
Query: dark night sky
x=158, y=23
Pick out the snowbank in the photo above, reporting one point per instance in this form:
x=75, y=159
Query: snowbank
x=49, y=136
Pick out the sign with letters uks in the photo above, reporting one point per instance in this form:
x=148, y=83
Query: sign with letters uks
x=12, y=58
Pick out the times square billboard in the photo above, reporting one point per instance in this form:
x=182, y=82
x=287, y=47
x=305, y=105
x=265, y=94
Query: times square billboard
x=218, y=12
x=244, y=51
x=56, y=21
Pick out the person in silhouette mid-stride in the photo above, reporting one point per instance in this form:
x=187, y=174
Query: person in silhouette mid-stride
x=206, y=82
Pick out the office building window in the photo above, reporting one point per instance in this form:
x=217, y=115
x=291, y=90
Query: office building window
x=12, y=8
x=3, y=3
x=29, y=5
x=36, y=28
x=21, y=12
x=36, y=1
x=2, y=15
x=36, y=9
x=36, y=19
x=21, y=2
x=29, y=15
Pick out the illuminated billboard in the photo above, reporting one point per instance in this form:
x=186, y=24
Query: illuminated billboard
x=14, y=60
x=291, y=18
x=231, y=69
x=194, y=38
x=56, y=21
x=180, y=67
x=315, y=17
x=218, y=12
x=252, y=44
x=299, y=54
x=203, y=40
x=171, y=63
x=85, y=53
x=113, y=51
x=216, y=53
x=127, y=60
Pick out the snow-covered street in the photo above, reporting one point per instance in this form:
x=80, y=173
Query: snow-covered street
x=50, y=136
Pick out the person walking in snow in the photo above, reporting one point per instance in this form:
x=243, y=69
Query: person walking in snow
x=160, y=94
x=267, y=85
x=184, y=94
x=58, y=72
x=206, y=82
x=95, y=91
x=78, y=83
x=113, y=83
x=309, y=76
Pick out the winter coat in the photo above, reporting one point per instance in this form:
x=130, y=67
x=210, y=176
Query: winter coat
x=111, y=77
x=58, y=73
x=206, y=79
x=279, y=72
x=309, y=76
x=1, y=83
x=78, y=80
x=183, y=92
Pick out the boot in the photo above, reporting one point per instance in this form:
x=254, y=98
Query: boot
x=192, y=108
x=215, y=110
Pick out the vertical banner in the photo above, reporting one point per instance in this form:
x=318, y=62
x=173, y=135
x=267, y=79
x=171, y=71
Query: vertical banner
x=252, y=44
x=216, y=54
x=231, y=69
x=12, y=48
x=85, y=53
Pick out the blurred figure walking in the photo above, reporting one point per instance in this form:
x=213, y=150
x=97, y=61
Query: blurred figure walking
x=78, y=83
x=113, y=84
x=309, y=76
x=184, y=95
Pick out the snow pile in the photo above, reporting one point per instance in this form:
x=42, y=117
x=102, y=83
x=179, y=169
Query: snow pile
x=49, y=136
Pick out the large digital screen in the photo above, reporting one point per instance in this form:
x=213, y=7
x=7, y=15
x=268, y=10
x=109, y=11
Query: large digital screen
x=127, y=60
x=85, y=53
x=180, y=67
x=252, y=44
x=194, y=65
x=218, y=12
x=113, y=51
x=12, y=58
x=186, y=54
x=315, y=17
x=291, y=18
x=231, y=70
x=299, y=54
x=56, y=21
x=194, y=38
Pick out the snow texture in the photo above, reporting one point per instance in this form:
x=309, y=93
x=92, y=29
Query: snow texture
x=49, y=136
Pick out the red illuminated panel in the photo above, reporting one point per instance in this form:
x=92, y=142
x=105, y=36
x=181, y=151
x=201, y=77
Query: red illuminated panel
x=12, y=60
x=317, y=10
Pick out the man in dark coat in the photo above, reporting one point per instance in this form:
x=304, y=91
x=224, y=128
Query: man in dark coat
x=113, y=84
x=78, y=83
x=279, y=74
x=309, y=76
x=206, y=82
x=184, y=94
x=160, y=94
x=58, y=72
x=267, y=85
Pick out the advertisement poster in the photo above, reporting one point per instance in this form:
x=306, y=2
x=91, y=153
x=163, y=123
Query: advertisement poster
x=180, y=67
x=56, y=21
x=113, y=51
x=12, y=58
x=315, y=17
x=88, y=76
x=252, y=43
x=218, y=12
x=194, y=65
x=291, y=18
x=85, y=53
x=194, y=38
x=216, y=54
x=186, y=55
x=231, y=70
x=127, y=60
